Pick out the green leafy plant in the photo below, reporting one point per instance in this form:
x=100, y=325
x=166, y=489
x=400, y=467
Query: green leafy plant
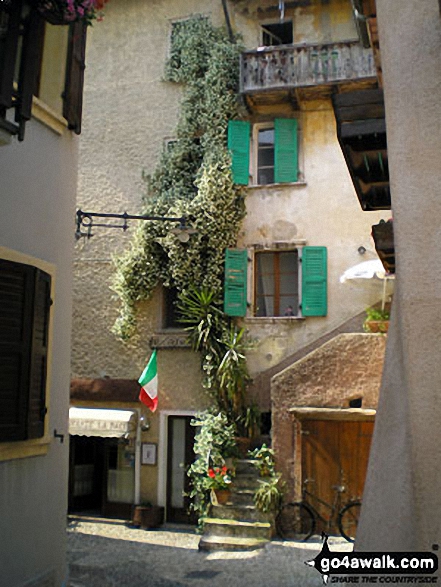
x=268, y=496
x=263, y=458
x=376, y=315
x=193, y=178
x=248, y=422
x=214, y=442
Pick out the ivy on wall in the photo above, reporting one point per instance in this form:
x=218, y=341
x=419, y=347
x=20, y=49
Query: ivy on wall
x=193, y=178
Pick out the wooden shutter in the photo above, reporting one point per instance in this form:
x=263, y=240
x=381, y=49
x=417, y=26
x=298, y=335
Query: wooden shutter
x=314, y=281
x=235, y=290
x=24, y=317
x=10, y=24
x=286, y=155
x=76, y=64
x=239, y=146
x=39, y=355
x=30, y=66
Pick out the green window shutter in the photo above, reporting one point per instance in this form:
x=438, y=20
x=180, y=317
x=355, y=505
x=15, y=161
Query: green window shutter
x=239, y=147
x=286, y=152
x=314, y=281
x=235, y=286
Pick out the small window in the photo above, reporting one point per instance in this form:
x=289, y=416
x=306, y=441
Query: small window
x=170, y=313
x=265, y=156
x=279, y=33
x=270, y=157
x=277, y=283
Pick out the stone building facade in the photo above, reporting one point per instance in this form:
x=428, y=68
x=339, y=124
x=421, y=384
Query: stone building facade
x=130, y=111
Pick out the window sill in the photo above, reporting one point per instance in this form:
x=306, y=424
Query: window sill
x=272, y=319
x=24, y=449
x=44, y=114
x=299, y=184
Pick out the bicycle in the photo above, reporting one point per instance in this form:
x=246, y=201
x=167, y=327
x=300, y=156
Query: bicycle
x=298, y=519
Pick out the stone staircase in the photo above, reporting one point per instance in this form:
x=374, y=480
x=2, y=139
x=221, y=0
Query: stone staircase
x=238, y=525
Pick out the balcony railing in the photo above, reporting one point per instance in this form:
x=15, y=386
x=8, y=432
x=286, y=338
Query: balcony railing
x=297, y=66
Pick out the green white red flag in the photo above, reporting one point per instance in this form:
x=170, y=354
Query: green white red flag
x=149, y=384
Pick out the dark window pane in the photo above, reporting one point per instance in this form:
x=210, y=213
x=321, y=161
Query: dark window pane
x=265, y=157
x=265, y=176
x=279, y=33
x=170, y=314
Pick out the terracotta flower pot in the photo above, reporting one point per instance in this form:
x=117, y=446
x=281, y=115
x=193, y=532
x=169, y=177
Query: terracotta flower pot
x=220, y=496
x=148, y=516
x=377, y=326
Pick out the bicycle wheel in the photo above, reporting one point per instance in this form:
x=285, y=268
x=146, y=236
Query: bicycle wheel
x=295, y=521
x=348, y=520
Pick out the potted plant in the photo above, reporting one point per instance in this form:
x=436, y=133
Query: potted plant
x=218, y=482
x=268, y=496
x=263, y=458
x=248, y=426
x=377, y=320
x=63, y=12
x=148, y=516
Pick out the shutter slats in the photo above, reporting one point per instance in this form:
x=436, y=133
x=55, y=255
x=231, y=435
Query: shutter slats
x=239, y=147
x=30, y=67
x=314, y=281
x=24, y=319
x=286, y=151
x=37, y=391
x=76, y=64
x=9, y=19
x=235, y=291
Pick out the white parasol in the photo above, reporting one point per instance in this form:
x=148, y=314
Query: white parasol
x=368, y=270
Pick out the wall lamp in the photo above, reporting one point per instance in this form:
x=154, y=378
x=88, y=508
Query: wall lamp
x=85, y=222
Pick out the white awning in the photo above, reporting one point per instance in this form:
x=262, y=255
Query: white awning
x=105, y=423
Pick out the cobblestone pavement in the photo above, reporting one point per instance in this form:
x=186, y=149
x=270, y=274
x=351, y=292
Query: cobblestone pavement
x=108, y=553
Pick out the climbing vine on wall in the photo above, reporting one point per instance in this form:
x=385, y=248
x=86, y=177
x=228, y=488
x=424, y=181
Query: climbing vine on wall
x=193, y=177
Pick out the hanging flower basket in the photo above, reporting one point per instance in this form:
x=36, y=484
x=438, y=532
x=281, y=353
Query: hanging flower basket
x=63, y=12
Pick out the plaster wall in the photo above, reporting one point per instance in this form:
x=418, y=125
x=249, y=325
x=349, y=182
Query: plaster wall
x=322, y=211
x=129, y=111
x=402, y=493
x=37, y=190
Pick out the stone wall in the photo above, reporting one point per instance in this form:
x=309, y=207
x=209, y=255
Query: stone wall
x=347, y=367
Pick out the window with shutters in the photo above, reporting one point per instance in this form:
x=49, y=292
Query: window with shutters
x=39, y=60
x=287, y=284
x=264, y=153
x=24, y=331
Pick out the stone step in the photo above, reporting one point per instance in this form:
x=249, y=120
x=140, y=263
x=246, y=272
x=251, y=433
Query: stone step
x=209, y=543
x=242, y=497
x=245, y=482
x=242, y=513
x=232, y=528
x=246, y=467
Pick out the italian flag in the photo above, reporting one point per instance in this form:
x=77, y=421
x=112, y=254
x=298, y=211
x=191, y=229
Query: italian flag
x=149, y=384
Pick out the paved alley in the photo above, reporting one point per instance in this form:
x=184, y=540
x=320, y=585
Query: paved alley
x=110, y=554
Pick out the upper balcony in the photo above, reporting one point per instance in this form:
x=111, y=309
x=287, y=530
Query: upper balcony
x=271, y=74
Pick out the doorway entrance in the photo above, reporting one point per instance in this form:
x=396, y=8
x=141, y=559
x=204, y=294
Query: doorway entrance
x=101, y=476
x=180, y=455
x=335, y=453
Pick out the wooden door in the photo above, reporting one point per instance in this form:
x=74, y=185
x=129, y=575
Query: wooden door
x=334, y=454
x=180, y=455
